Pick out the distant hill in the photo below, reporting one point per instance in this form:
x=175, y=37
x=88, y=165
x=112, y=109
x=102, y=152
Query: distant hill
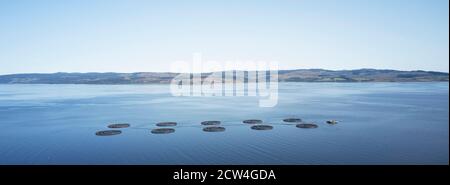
x=360, y=75
x=299, y=75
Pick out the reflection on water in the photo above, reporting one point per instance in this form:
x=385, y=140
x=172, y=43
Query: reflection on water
x=379, y=123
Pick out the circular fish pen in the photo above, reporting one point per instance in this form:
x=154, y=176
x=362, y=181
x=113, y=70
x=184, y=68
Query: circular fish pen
x=292, y=120
x=119, y=125
x=210, y=122
x=261, y=127
x=214, y=129
x=166, y=124
x=252, y=121
x=163, y=131
x=306, y=125
x=108, y=132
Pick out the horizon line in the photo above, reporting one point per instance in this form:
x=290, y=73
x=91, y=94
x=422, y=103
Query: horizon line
x=227, y=70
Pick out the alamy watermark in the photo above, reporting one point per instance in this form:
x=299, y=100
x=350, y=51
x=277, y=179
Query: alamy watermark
x=231, y=78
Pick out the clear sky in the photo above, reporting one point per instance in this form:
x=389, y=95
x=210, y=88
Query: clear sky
x=129, y=36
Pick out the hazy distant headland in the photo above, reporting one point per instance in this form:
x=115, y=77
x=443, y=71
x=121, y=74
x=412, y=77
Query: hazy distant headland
x=298, y=75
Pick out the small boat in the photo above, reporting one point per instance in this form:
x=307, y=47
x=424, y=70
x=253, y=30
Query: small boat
x=332, y=122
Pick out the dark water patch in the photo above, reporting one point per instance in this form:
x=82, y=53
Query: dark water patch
x=210, y=123
x=163, y=131
x=214, y=129
x=292, y=120
x=261, y=127
x=119, y=125
x=306, y=125
x=166, y=124
x=252, y=121
x=108, y=132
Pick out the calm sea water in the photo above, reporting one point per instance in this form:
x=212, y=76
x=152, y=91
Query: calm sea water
x=380, y=123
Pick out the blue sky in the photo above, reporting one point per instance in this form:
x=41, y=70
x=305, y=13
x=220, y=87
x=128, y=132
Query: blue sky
x=128, y=36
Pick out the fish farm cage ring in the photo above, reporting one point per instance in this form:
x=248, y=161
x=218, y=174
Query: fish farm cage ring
x=210, y=123
x=306, y=125
x=292, y=120
x=332, y=122
x=108, y=132
x=261, y=127
x=166, y=124
x=252, y=121
x=163, y=131
x=119, y=125
x=214, y=129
